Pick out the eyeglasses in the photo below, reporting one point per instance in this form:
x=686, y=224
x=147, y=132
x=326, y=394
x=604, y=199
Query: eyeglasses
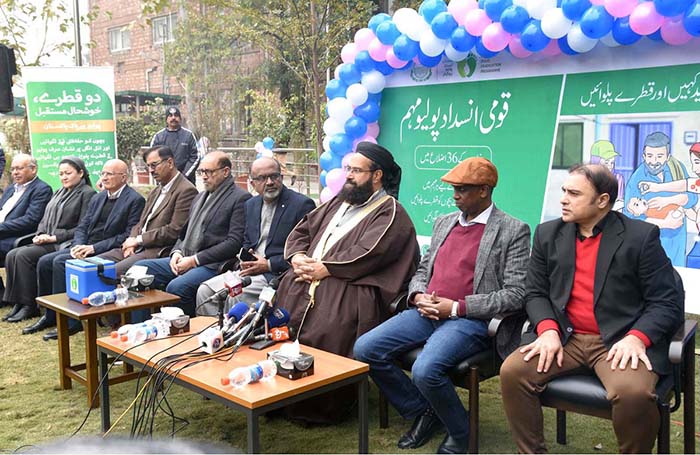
x=20, y=168
x=209, y=172
x=154, y=165
x=108, y=174
x=263, y=178
x=356, y=170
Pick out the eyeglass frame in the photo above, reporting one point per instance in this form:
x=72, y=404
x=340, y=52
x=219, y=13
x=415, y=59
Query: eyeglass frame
x=209, y=172
x=275, y=176
x=356, y=170
x=154, y=165
x=104, y=174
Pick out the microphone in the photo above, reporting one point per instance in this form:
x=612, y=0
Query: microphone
x=232, y=286
x=278, y=317
x=276, y=334
x=267, y=297
x=211, y=340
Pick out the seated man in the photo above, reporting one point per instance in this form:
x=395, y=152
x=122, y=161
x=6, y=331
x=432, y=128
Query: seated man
x=474, y=269
x=213, y=233
x=351, y=257
x=269, y=218
x=601, y=295
x=110, y=216
x=167, y=208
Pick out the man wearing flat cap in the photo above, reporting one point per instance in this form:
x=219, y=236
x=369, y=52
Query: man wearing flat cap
x=181, y=141
x=349, y=259
x=474, y=269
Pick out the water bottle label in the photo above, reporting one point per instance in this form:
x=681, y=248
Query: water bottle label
x=74, y=283
x=256, y=372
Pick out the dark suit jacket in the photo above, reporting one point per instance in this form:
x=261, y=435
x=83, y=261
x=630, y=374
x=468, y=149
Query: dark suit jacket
x=170, y=216
x=124, y=215
x=70, y=214
x=634, y=286
x=24, y=217
x=223, y=232
x=291, y=208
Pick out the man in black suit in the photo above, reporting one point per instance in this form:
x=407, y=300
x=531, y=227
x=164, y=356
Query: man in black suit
x=601, y=294
x=269, y=218
x=213, y=233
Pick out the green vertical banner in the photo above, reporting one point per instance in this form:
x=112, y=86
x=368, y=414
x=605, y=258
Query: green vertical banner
x=432, y=128
x=71, y=113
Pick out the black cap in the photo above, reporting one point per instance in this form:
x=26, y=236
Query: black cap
x=172, y=110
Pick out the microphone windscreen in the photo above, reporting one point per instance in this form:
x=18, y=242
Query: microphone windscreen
x=245, y=281
x=237, y=311
x=278, y=317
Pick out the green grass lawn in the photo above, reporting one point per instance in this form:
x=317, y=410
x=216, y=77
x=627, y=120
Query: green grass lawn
x=33, y=411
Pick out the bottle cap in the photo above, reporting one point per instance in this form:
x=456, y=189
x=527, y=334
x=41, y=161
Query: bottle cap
x=125, y=337
x=114, y=334
x=86, y=301
x=225, y=380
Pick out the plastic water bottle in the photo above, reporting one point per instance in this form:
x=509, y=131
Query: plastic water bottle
x=119, y=296
x=139, y=333
x=261, y=371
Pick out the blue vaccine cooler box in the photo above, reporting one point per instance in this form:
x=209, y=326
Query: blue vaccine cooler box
x=83, y=277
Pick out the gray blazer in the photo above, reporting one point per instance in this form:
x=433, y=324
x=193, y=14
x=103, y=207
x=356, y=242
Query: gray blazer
x=499, y=275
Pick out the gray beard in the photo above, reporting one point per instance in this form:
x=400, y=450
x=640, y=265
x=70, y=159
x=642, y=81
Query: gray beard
x=654, y=171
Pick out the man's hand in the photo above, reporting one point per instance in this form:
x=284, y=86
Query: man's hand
x=126, y=252
x=312, y=271
x=648, y=187
x=174, y=258
x=256, y=267
x=433, y=307
x=42, y=239
x=659, y=202
x=130, y=242
x=629, y=349
x=548, y=347
x=82, y=251
x=185, y=264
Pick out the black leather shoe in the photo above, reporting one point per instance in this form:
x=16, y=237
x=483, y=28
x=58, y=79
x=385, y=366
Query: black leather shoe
x=53, y=334
x=26, y=312
x=451, y=445
x=15, y=309
x=41, y=324
x=424, y=427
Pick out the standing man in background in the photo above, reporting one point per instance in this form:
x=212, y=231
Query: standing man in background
x=181, y=141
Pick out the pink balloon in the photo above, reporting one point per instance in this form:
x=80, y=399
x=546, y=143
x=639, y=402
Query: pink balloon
x=346, y=158
x=393, y=60
x=597, y=2
x=377, y=50
x=460, y=8
x=363, y=37
x=620, y=8
x=495, y=38
x=645, y=20
x=348, y=53
x=516, y=48
x=335, y=179
x=326, y=195
x=673, y=32
x=551, y=49
x=476, y=21
x=373, y=129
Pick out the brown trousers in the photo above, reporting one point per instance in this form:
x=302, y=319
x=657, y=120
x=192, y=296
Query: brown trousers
x=631, y=392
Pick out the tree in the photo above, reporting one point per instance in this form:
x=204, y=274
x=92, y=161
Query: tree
x=130, y=137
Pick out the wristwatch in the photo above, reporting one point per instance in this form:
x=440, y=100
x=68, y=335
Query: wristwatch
x=453, y=313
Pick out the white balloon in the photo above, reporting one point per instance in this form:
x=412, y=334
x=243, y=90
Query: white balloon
x=373, y=81
x=336, y=72
x=331, y=126
x=357, y=94
x=431, y=45
x=327, y=143
x=267, y=153
x=418, y=28
x=537, y=8
x=404, y=18
x=259, y=147
x=578, y=41
x=340, y=109
x=609, y=40
x=455, y=55
x=554, y=24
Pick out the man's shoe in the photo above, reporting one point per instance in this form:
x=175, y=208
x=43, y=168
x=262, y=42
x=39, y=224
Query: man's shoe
x=15, y=309
x=53, y=334
x=424, y=427
x=26, y=312
x=41, y=324
x=451, y=445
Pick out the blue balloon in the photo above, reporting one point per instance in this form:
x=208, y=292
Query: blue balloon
x=340, y=144
x=387, y=32
x=363, y=62
x=355, y=127
x=329, y=161
x=596, y=22
x=349, y=74
x=268, y=143
x=369, y=112
x=405, y=48
x=623, y=34
x=494, y=8
x=462, y=40
x=335, y=88
x=443, y=25
x=656, y=36
x=533, y=38
x=514, y=19
x=574, y=9
x=322, y=178
x=691, y=21
x=376, y=97
x=383, y=67
x=670, y=8
x=428, y=62
x=564, y=46
x=481, y=50
x=431, y=8
x=376, y=20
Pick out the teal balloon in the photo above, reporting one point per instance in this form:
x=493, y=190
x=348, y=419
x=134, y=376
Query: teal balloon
x=329, y=161
x=268, y=143
x=376, y=20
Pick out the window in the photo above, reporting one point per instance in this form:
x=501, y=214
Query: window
x=163, y=28
x=119, y=39
x=568, y=150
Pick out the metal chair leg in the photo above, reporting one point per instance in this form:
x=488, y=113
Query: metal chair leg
x=561, y=427
x=473, y=410
x=383, y=411
x=663, y=444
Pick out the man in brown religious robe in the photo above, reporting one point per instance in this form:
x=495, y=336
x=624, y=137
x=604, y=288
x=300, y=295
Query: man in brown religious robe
x=350, y=258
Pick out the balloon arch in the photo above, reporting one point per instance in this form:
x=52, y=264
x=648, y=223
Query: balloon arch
x=437, y=30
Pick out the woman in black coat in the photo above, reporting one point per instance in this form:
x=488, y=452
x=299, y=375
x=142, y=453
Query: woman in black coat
x=62, y=215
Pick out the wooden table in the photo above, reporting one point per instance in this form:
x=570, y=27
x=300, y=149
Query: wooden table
x=330, y=372
x=65, y=308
